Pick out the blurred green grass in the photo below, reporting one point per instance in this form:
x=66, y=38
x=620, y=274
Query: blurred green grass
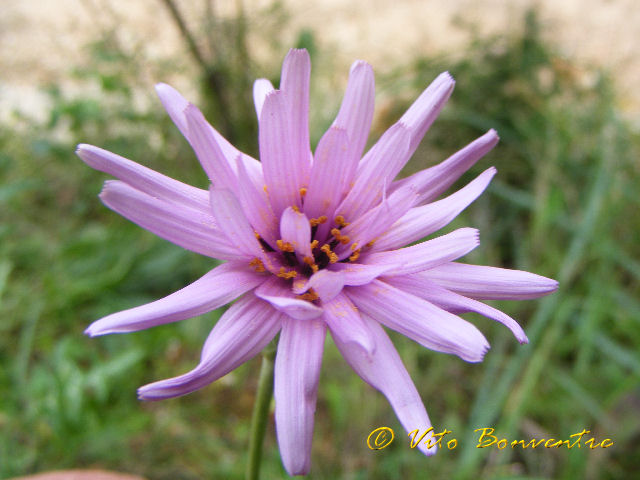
x=564, y=205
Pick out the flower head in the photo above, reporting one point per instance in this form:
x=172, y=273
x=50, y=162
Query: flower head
x=313, y=241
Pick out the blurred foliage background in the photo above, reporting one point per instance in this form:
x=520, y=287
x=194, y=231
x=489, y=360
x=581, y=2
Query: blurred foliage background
x=564, y=204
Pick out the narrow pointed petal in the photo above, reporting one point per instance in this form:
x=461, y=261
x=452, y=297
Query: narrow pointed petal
x=355, y=116
x=256, y=206
x=452, y=302
x=143, y=178
x=327, y=176
x=422, y=221
x=383, y=370
x=278, y=293
x=420, y=320
x=379, y=166
x=491, y=283
x=194, y=230
x=297, y=372
x=377, y=220
x=176, y=106
x=295, y=229
x=284, y=172
x=355, y=274
x=240, y=334
x=426, y=108
x=428, y=254
x=208, y=150
x=346, y=323
x=432, y=182
x=325, y=283
x=294, y=84
x=233, y=223
x=215, y=289
x=261, y=88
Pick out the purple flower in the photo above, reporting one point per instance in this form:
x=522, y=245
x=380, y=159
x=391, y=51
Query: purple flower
x=314, y=242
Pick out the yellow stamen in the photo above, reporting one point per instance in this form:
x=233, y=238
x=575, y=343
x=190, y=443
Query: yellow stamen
x=370, y=244
x=265, y=189
x=314, y=222
x=284, y=246
x=354, y=256
x=287, y=275
x=257, y=264
x=354, y=245
x=339, y=220
x=311, y=262
x=295, y=209
x=342, y=239
x=333, y=258
x=311, y=295
x=314, y=244
x=303, y=191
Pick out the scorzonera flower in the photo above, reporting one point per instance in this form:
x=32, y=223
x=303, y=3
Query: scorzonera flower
x=315, y=242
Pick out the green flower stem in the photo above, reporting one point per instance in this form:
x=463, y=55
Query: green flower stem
x=261, y=412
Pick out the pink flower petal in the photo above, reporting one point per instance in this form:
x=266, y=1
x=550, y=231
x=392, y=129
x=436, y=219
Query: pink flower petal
x=420, y=222
x=360, y=274
x=419, y=286
x=297, y=372
x=432, y=182
x=426, y=108
x=282, y=173
x=327, y=177
x=326, y=283
x=143, y=178
x=355, y=116
x=379, y=166
x=428, y=254
x=419, y=320
x=208, y=151
x=195, y=230
x=176, y=105
x=295, y=229
x=240, y=334
x=376, y=221
x=294, y=84
x=261, y=88
x=490, y=283
x=233, y=223
x=215, y=289
x=383, y=370
x=347, y=325
x=278, y=293
x=256, y=206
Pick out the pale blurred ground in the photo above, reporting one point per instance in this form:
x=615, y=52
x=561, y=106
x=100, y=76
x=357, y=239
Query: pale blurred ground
x=41, y=39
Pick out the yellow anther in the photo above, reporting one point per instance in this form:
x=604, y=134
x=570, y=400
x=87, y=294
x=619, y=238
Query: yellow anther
x=314, y=244
x=303, y=191
x=287, y=275
x=339, y=220
x=370, y=244
x=295, y=209
x=333, y=258
x=311, y=262
x=284, y=246
x=257, y=264
x=257, y=235
x=314, y=222
x=265, y=190
x=344, y=239
x=311, y=295
x=354, y=256
x=354, y=245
